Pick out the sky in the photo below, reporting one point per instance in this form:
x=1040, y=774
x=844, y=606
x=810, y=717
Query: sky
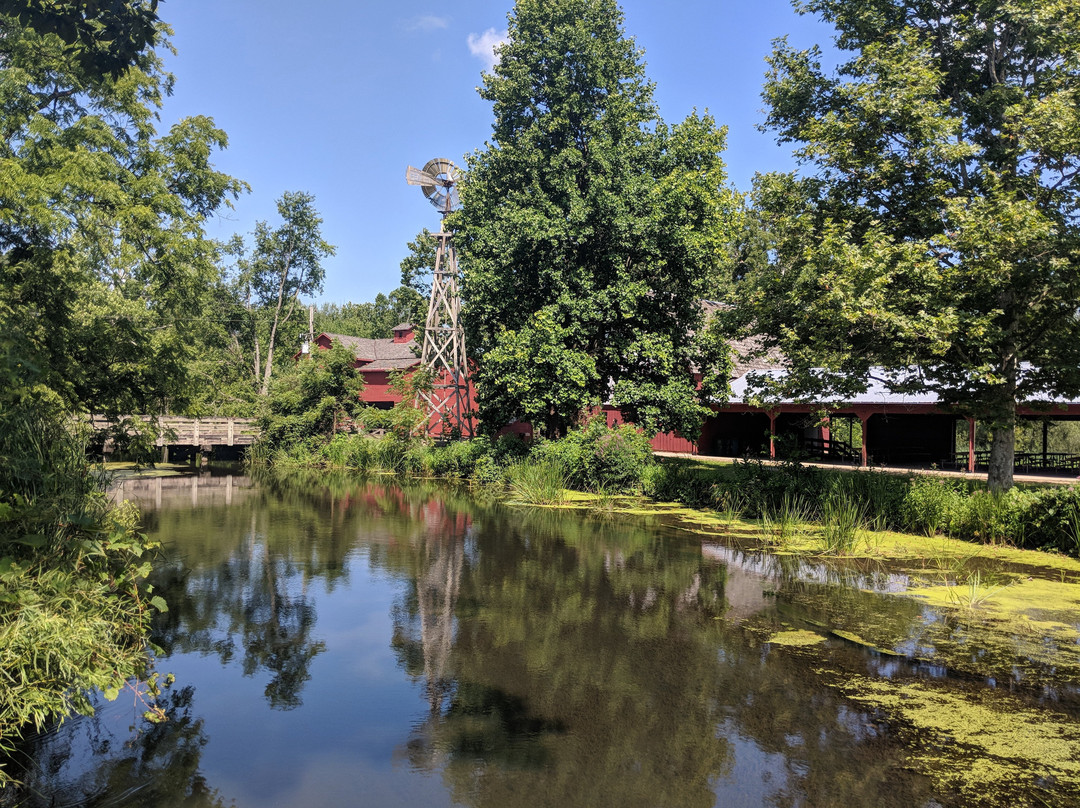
x=337, y=97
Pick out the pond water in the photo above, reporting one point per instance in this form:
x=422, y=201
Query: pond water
x=338, y=642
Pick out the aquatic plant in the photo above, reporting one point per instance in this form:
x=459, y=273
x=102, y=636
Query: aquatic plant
x=731, y=505
x=974, y=593
x=842, y=519
x=538, y=482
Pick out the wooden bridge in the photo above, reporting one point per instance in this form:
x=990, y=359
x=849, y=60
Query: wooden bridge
x=198, y=435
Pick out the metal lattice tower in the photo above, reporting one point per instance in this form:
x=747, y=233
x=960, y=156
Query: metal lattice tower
x=443, y=353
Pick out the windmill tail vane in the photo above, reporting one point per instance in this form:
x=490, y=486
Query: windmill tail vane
x=443, y=355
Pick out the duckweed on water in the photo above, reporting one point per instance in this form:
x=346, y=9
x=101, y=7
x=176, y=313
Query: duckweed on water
x=796, y=638
x=990, y=752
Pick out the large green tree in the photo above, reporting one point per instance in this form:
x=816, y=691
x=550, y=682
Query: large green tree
x=590, y=231
x=933, y=231
x=104, y=266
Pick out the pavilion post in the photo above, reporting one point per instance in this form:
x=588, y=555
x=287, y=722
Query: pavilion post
x=772, y=435
x=971, y=445
x=1046, y=435
x=865, y=421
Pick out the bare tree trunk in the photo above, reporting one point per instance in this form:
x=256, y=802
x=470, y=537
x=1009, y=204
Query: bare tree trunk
x=278, y=319
x=1002, y=457
x=1003, y=429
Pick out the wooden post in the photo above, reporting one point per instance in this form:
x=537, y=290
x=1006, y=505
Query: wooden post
x=1046, y=434
x=772, y=435
x=971, y=445
x=865, y=421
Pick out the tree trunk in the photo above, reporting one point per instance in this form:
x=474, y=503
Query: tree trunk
x=1002, y=458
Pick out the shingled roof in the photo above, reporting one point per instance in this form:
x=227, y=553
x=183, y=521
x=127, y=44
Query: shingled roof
x=378, y=354
x=746, y=352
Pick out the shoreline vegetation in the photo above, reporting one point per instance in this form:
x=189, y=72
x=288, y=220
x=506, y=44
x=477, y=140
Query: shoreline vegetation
x=788, y=501
x=75, y=608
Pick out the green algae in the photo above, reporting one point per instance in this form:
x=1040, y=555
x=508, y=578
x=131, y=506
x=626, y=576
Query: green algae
x=795, y=638
x=854, y=638
x=988, y=747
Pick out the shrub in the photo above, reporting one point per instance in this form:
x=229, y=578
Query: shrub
x=597, y=457
x=675, y=481
x=1049, y=519
x=931, y=505
x=763, y=489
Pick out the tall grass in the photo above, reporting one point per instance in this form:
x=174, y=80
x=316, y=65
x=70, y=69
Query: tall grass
x=782, y=524
x=538, y=482
x=842, y=519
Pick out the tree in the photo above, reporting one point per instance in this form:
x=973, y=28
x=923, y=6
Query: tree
x=104, y=266
x=417, y=266
x=590, y=230
x=312, y=399
x=935, y=234
x=285, y=263
x=374, y=320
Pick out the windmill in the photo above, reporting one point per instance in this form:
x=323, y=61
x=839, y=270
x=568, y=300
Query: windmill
x=444, y=340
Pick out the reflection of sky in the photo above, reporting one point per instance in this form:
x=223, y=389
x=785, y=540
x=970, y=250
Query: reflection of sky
x=337, y=747
x=756, y=777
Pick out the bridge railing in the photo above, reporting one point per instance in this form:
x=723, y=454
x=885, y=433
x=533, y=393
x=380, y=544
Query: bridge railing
x=174, y=430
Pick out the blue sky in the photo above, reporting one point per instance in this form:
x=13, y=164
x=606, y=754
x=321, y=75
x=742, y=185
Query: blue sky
x=337, y=97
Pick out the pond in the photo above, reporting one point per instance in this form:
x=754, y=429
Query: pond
x=340, y=642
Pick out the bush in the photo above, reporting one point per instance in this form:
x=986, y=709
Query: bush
x=931, y=505
x=675, y=481
x=538, y=481
x=1050, y=519
x=74, y=609
x=763, y=489
x=597, y=457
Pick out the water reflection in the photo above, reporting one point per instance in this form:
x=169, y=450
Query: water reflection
x=411, y=646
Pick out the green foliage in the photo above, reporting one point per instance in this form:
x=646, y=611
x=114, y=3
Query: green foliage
x=929, y=505
x=374, y=320
x=105, y=271
x=590, y=230
x=538, y=481
x=600, y=458
x=936, y=226
x=74, y=611
x=417, y=266
x=1050, y=520
x=285, y=262
x=312, y=401
x=842, y=517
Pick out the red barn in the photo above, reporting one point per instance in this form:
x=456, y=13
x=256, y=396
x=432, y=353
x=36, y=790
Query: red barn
x=375, y=358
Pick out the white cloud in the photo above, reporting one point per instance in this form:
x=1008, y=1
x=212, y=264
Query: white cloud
x=428, y=22
x=483, y=45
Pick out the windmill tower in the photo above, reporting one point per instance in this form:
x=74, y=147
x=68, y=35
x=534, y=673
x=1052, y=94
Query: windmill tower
x=444, y=339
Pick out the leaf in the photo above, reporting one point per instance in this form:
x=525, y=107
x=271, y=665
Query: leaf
x=111, y=693
x=159, y=603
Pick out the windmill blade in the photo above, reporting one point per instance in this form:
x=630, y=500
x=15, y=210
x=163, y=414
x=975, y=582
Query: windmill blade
x=414, y=176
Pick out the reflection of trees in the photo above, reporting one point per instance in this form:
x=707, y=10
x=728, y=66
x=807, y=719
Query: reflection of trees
x=564, y=688
x=255, y=598
x=564, y=661
x=96, y=760
x=592, y=664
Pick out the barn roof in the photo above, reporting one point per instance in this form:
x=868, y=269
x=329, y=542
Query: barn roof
x=378, y=354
